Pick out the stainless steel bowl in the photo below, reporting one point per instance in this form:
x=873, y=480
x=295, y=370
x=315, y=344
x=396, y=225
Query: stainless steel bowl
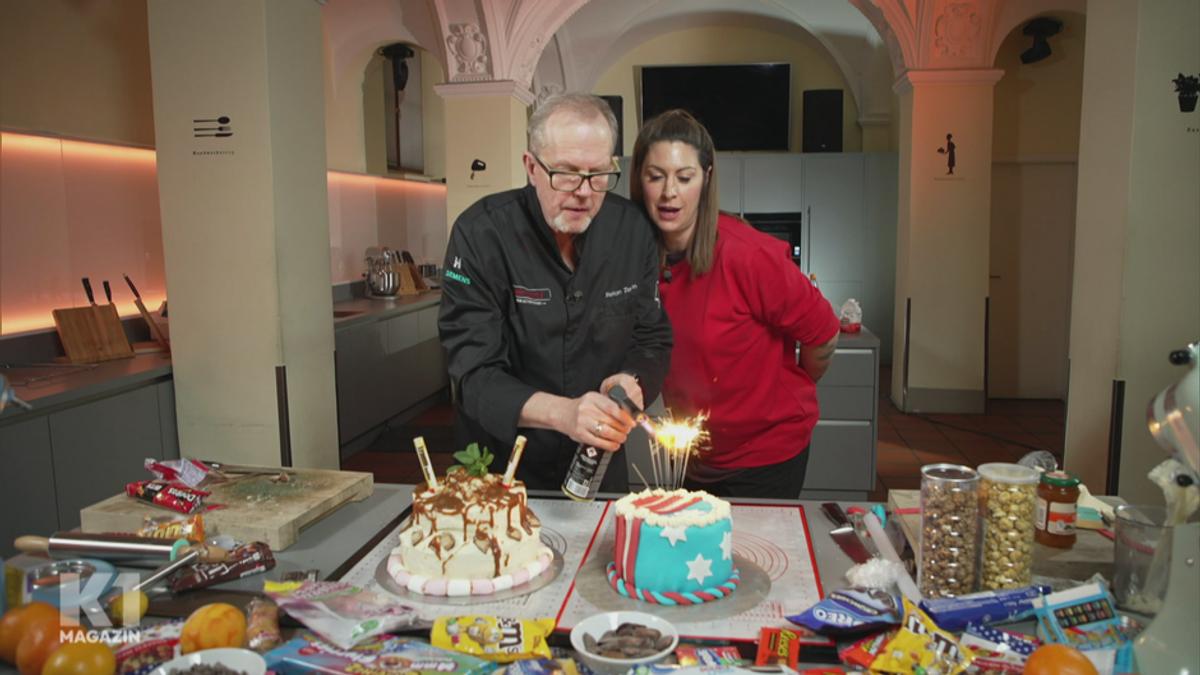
x=383, y=282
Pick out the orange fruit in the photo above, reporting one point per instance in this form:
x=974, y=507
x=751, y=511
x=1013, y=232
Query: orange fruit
x=81, y=658
x=16, y=622
x=213, y=626
x=41, y=640
x=1058, y=660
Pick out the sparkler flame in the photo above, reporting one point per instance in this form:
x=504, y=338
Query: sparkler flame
x=672, y=443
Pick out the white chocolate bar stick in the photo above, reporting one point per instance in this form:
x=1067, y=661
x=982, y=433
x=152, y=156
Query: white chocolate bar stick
x=426, y=464
x=513, y=460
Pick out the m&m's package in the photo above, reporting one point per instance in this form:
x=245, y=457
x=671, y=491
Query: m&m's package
x=492, y=637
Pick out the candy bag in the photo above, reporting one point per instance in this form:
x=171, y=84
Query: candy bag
x=920, y=642
x=851, y=316
x=341, y=614
x=492, y=637
x=378, y=655
x=851, y=610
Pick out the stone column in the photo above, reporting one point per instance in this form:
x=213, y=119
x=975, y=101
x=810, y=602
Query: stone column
x=486, y=123
x=239, y=123
x=943, y=239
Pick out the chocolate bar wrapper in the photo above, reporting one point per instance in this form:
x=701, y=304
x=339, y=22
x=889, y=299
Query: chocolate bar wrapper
x=244, y=560
x=174, y=527
x=863, y=653
x=179, y=498
x=151, y=647
x=708, y=656
x=778, y=646
x=377, y=655
x=988, y=607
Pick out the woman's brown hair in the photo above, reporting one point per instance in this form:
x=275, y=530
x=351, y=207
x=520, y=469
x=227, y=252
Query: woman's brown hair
x=679, y=125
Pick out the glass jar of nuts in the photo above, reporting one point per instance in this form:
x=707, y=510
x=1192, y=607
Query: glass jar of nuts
x=949, y=559
x=1008, y=504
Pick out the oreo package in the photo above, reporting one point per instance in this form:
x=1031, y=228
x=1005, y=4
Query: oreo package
x=851, y=610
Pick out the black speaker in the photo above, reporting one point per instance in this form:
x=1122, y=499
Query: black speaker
x=822, y=120
x=618, y=107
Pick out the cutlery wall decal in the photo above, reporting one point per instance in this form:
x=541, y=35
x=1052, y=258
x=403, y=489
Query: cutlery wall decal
x=225, y=130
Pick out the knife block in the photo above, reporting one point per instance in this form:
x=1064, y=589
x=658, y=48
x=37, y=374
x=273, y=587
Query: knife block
x=92, y=334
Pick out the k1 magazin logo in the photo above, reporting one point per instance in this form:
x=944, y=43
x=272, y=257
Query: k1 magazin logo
x=531, y=296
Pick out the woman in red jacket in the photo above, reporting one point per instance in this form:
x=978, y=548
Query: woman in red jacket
x=738, y=305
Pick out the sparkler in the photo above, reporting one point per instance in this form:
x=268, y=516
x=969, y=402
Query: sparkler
x=672, y=444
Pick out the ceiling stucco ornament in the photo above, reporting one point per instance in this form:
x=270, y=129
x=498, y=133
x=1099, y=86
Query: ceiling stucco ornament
x=547, y=91
x=469, y=46
x=956, y=32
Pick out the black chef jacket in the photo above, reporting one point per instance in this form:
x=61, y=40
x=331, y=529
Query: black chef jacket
x=515, y=320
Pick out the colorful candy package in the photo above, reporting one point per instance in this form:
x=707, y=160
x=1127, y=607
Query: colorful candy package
x=778, y=646
x=987, y=607
x=851, y=610
x=997, y=651
x=708, y=656
x=492, y=637
x=341, y=614
x=378, y=655
x=920, y=642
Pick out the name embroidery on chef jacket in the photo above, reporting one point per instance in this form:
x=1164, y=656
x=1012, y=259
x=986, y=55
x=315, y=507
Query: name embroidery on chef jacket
x=531, y=296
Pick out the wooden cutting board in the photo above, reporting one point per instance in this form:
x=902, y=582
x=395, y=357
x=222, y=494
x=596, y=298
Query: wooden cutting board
x=1093, y=553
x=256, y=509
x=92, y=334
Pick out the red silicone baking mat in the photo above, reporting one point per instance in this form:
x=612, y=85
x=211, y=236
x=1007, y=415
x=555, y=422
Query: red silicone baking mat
x=774, y=539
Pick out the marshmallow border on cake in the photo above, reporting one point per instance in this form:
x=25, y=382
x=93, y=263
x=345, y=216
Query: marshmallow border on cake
x=416, y=583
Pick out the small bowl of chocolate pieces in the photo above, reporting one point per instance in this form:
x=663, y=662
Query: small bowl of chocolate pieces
x=612, y=643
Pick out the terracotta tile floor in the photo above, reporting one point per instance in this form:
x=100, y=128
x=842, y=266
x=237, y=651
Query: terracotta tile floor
x=1004, y=433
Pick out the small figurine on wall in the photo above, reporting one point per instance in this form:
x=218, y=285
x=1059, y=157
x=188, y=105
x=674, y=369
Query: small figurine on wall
x=949, y=152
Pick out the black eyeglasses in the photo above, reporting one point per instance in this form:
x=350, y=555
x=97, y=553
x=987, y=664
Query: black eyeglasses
x=569, y=181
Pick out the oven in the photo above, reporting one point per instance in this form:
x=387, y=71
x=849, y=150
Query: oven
x=785, y=226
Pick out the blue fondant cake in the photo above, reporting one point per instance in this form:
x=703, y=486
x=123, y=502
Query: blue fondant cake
x=673, y=547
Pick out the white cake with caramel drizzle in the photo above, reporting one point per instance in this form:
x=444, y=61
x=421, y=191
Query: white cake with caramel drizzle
x=471, y=536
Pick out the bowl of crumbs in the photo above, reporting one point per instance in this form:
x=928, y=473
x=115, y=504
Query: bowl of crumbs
x=215, y=662
x=613, y=643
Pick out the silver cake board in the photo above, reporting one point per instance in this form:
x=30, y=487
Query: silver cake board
x=771, y=548
x=778, y=571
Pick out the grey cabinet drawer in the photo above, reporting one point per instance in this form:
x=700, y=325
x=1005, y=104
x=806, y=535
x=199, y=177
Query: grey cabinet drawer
x=846, y=403
x=843, y=456
x=851, y=368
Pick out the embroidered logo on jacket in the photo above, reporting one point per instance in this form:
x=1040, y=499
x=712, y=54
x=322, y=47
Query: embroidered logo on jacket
x=531, y=296
x=451, y=274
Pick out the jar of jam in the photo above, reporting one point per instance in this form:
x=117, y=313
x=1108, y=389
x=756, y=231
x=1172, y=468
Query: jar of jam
x=1056, y=496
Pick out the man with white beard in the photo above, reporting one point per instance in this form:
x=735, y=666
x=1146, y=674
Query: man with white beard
x=549, y=298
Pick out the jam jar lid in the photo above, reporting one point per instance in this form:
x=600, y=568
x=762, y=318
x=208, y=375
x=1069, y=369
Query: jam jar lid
x=1060, y=479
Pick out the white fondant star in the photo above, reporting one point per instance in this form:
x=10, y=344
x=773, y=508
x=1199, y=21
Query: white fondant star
x=699, y=569
x=727, y=546
x=675, y=534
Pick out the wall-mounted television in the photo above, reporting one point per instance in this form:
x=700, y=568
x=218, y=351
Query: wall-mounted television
x=745, y=107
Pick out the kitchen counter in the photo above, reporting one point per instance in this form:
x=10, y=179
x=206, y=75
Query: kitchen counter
x=96, y=381
x=111, y=377
x=361, y=311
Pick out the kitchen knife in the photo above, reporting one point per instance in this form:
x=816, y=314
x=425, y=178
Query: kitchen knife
x=154, y=330
x=844, y=533
x=108, y=291
x=87, y=288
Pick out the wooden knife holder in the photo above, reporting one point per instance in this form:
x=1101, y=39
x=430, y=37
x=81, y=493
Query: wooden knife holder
x=92, y=334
